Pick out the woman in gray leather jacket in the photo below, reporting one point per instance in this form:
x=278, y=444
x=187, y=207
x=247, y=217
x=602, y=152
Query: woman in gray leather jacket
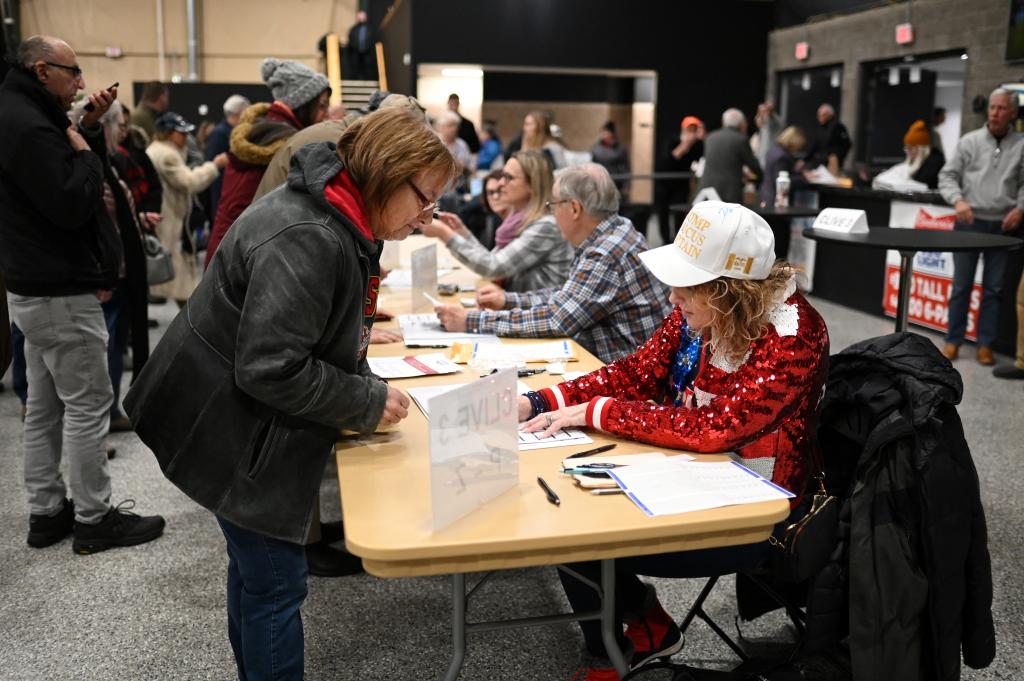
x=242, y=400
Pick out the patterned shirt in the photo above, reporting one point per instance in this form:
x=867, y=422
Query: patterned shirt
x=609, y=305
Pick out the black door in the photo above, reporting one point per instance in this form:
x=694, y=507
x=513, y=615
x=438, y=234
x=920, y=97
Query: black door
x=890, y=110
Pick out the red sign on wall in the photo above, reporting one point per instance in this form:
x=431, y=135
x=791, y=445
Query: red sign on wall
x=802, y=51
x=904, y=34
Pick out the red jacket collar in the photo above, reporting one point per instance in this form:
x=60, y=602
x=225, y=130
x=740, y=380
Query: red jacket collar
x=342, y=193
x=282, y=112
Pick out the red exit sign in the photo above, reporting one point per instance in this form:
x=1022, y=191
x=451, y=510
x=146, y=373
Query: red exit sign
x=904, y=34
x=802, y=51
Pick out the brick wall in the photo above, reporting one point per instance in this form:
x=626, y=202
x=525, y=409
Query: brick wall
x=978, y=26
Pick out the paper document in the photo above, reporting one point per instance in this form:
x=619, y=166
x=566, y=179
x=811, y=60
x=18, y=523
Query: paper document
x=678, y=486
x=403, y=278
x=409, y=367
x=426, y=329
x=591, y=482
x=527, y=441
x=553, y=351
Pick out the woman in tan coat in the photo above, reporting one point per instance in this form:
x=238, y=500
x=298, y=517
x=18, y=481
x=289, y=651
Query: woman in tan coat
x=167, y=152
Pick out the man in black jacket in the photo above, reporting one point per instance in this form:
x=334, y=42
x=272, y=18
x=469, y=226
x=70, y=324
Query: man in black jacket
x=60, y=256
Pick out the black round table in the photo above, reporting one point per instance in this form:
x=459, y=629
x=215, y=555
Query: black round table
x=909, y=242
x=777, y=218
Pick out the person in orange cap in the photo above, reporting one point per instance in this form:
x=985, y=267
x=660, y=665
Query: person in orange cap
x=925, y=159
x=677, y=155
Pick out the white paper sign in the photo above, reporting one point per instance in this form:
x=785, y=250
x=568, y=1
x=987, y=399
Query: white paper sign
x=424, y=277
x=706, y=194
x=390, y=257
x=842, y=220
x=473, y=446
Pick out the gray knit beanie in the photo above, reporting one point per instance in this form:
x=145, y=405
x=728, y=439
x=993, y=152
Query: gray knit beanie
x=292, y=83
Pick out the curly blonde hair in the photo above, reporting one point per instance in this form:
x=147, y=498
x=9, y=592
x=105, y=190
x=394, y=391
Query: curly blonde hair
x=740, y=308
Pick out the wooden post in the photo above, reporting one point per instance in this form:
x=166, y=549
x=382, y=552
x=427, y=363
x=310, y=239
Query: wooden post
x=334, y=68
x=382, y=74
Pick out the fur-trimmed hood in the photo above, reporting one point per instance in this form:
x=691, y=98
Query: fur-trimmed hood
x=262, y=129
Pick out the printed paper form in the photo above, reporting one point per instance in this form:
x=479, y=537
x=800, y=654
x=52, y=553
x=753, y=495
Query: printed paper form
x=403, y=278
x=527, y=441
x=426, y=329
x=410, y=367
x=676, y=486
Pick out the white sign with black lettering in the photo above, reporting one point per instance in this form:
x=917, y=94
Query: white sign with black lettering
x=473, y=446
x=424, y=277
x=842, y=220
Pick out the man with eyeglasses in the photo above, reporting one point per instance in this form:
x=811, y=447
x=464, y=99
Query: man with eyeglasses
x=60, y=256
x=984, y=182
x=609, y=304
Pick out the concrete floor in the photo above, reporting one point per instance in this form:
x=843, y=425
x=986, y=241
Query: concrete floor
x=157, y=611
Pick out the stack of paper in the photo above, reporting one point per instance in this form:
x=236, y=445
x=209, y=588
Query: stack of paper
x=409, y=367
x=554, y=351
x=403, y=278
x=617, y=460
x=421, y=330
x=679, y=486
x=527, y=441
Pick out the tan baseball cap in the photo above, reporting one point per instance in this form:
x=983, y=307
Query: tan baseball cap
x=716, y=239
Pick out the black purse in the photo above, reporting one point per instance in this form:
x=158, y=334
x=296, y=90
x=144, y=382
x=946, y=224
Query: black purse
x=805, y=546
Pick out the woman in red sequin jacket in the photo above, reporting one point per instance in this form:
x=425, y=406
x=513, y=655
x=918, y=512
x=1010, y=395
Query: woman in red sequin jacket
x=738, y=366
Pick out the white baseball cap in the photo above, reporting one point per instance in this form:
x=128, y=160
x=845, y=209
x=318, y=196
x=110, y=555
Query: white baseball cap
x=716, y=239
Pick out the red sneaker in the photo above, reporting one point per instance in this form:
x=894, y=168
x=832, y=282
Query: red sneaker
x=592, y=673
x=654, y=635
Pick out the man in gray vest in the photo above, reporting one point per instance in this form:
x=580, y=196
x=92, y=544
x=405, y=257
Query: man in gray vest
x=984, y=182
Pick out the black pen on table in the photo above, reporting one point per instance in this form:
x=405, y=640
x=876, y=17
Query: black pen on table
x=595, y=450
x=552, y=497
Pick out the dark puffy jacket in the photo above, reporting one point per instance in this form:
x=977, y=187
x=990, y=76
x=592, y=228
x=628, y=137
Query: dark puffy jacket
x=6, y=350
x=56, y=238
x=243, y=398
x=913, y=563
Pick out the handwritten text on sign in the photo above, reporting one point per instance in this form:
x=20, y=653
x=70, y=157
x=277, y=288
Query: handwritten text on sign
x=474, y=445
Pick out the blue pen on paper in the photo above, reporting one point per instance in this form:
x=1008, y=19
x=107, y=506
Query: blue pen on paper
x=583, y=469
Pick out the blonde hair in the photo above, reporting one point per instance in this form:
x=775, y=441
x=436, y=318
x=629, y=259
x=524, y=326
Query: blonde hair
x=543, y=134
x=384, y=150
x=740, y=308
x=538, y=175
x=792, y=139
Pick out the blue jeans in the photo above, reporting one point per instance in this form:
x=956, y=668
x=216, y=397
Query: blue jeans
x=266, y=589
x=964, y=266
x=116, y=314
x=19, y=373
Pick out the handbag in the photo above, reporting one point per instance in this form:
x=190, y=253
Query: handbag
x=805, y=546
x=159, y=266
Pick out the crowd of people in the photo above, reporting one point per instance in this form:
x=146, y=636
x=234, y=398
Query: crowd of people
x=708, y=345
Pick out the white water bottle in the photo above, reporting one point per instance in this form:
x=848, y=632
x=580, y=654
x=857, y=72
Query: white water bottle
x=782, y=189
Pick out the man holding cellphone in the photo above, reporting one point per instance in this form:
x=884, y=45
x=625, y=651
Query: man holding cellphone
x=60, y=256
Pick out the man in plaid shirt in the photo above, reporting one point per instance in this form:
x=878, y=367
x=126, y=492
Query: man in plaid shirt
x=610, y=304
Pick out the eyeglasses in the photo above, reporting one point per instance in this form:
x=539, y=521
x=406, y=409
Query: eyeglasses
x=425, y=203
x=506, y=177
x=550, y=205
x=74, y=70
x=494, y=192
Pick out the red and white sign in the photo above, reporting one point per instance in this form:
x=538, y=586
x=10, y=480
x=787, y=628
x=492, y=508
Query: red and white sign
x=932, y=272
x=802, y=50
x=904, y=33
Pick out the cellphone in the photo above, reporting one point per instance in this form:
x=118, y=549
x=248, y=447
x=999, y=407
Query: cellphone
x=90, y=107
x=448, y=288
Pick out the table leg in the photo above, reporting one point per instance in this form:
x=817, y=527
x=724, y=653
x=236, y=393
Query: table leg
x=906, y=283
x=609, y=625
x=458, y=627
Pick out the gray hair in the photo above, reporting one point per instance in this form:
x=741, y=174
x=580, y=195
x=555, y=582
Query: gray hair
x=1003, y=92
x=235, y=104
x=448, y=117
x=592, y=186
x=33, y=49
x=733, y=118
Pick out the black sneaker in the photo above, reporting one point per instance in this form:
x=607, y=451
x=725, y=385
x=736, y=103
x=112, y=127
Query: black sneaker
x=1012, y=372
x=327, y=561
x=117, y=528
x=46, y=530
